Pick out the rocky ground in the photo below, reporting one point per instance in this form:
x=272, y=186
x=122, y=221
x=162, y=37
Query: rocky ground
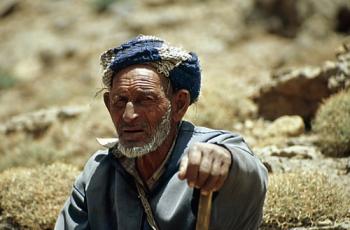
x=267, y=66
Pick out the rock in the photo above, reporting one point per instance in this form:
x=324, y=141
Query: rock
x=290, y=17
x=70, y=112
x=297, y=151
x=300, y=91
x=7, y=7
x=344, y=225
x=28, y=69
x=347, y=167
x=154, y=3
x=165, y=18
x=343, y=20
x=274, y=164
x=341, y=80
x=327, y=225
x=304, y=140
x=36, y=123
x=248, y=124
x=289, y=126
x=326, y=222
x=281, y=17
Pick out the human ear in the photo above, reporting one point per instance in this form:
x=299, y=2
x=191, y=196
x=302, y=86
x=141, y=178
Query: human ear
x=181, y=102
x=106, y=100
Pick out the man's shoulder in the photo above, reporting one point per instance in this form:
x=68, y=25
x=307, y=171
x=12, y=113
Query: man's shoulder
x=99, y=159
x=96, y=159
x=190, y=133
x=198, y=130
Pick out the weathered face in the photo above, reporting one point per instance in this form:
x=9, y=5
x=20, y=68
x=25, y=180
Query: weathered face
x=139, y=106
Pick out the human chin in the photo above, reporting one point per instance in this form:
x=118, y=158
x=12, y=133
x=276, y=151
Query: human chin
x=156, y=140
x=135, y=139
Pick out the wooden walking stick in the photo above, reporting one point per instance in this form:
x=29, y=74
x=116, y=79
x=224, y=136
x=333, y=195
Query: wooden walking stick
x=204, y=211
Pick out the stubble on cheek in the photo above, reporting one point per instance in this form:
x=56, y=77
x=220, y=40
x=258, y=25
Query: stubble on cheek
x=154, y=140
x=131, y=139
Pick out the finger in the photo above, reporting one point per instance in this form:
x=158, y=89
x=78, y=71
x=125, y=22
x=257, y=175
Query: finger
x=225, y=167
x=216, y=168
x=209, y=184
x=204, y=169
x=194, y=159
x=220, y=182
x=183, y=167
x=222, y=178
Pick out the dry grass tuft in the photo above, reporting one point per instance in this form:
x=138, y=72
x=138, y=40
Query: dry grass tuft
x=219, y=109
x=332, y=125
x=31, y=154
x=71, y=141
x=303, y=199
x=7, y=80
x=32, y=198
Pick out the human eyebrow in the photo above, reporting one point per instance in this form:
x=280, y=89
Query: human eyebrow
x=118, y=98
x=146, y=93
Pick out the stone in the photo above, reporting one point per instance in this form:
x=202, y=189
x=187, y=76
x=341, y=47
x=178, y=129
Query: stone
x=292, y=159
x=70, y=112
x=164, y=19
x=297, y=151
x=326, y=222
x=272, y=164
x=7, y=7
x=300, y=91
x=28, y=69
x=290, y=126
x=327, y=225
x=157, y=3
x=282, y=17
x=292, y=17
x=347, y=167
x=37, y=122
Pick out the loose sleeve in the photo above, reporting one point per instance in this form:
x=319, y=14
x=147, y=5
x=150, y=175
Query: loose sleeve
x=74, y=214
x=239, y=203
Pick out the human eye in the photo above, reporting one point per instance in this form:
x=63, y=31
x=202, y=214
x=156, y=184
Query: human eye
x=147, y=99
x=119, y=101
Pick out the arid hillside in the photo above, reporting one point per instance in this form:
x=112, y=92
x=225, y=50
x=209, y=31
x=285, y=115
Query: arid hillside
x=276, y=71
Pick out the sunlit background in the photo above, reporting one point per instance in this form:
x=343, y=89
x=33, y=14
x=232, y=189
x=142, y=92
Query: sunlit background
x=267, y=67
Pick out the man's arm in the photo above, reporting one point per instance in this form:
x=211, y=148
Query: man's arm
x=231, y=169
x=74, y=214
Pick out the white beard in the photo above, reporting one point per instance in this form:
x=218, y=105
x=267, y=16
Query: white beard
x=162, y=132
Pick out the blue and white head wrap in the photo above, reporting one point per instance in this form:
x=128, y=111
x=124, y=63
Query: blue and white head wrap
x=180, y=66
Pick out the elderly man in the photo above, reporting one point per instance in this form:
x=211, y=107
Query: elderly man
x=152, y=175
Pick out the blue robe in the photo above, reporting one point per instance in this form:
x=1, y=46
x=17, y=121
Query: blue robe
x=104, y=195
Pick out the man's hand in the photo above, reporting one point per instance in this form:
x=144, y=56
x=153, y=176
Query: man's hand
x=205, y=166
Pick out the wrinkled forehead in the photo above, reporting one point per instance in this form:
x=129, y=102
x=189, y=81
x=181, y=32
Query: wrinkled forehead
x=142, y=75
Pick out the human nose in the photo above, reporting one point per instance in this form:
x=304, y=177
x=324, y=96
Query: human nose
x=129, y=113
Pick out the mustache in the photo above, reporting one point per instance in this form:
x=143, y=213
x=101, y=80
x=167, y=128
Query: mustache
x=143, y=125
x=130, y=126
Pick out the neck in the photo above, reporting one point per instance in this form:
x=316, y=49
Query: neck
x=149, y=163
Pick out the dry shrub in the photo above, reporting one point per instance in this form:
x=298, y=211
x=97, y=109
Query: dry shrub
x=7, y=80
x=32, y=198
x=221, y=104
x=303, y=199
x=332, y=125
x=101, y=5
x=31, y=154
x=71, y=141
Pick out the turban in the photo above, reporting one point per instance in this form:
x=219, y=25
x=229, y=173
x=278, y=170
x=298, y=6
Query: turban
x=180, y=66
